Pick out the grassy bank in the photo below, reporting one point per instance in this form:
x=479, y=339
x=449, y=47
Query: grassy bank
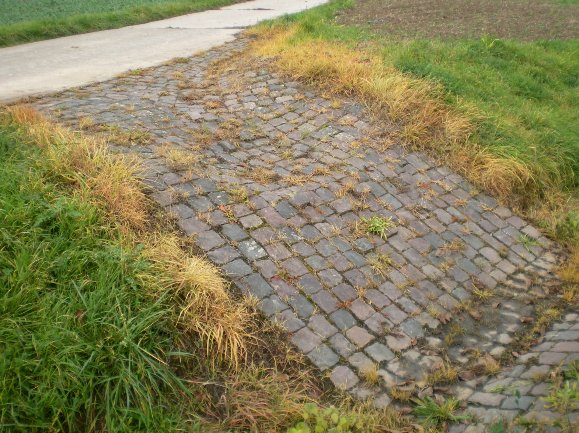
x=501, y=112
x=84, y=344
x=35, y=20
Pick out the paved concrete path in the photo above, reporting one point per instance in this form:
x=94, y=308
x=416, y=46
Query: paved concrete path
x=58, y=64
x=277, y=183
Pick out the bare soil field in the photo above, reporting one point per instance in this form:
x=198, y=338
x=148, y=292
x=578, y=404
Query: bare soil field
x=513, y=19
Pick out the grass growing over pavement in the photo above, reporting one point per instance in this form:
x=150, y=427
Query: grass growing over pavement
x=501, y=112
x=107, y=324
x=35, y=20
x=96, y=314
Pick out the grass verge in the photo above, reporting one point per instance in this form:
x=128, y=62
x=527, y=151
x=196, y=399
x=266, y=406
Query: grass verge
x=501, y=112
x=100, y=17
x=108, y=323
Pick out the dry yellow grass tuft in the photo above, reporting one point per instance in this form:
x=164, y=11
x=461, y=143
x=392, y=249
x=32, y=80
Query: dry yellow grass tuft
x=569, y=272
x=206, y=308
x=416, y=105
x=370, y=374
x=445, y=373
x=177, y=159
x=109, y=180
x=262, y=400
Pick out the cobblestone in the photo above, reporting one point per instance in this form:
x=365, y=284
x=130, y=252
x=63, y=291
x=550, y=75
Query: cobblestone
x=274, y=197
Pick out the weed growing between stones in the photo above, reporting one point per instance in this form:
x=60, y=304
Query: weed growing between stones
x=437, y=413
x=564, y=390
x=378, y=226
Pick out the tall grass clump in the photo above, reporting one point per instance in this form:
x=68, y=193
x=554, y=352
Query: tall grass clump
x=84, y=164
x=85, y=347
x=502, y=113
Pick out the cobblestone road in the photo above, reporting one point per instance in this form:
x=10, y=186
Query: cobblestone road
x=279, y=185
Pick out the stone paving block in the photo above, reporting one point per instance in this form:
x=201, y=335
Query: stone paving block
x=379, y=352
x=192, y=226
x=343, y=377
x=223, y=255
x=326, y=301
x=237, y=268
x=361, y=309
x=566, y=346
x=486, y=399
x=263, y=235
x=394, y=314
x=361, y=362
x=209, y=240
x=378, y=324
x=306, y=340
x=343, y=319
x=320, y=326
x=272, y=305
x=359, y=336
x=376, y=299
x=289, y=320
x=251, y=221
x=251, y=250
x=181, y=211
x=255, y=285
x=341, y=345
x=309, y=284
x=303, y=308
x=323, y=357
x=330, y=277
x=521, y=403
x=551, y=358
x=345, y=292
x=277, y=251
x=234, y=232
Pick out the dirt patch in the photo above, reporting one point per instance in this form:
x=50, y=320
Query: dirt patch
x=512, y=19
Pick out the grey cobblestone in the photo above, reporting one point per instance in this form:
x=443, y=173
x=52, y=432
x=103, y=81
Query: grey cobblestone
x=274, y=196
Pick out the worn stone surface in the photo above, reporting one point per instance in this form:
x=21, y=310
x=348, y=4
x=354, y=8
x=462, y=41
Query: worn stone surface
x=274, y=182
x=519, y=394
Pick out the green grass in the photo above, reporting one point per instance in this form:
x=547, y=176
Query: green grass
x=524, y=95
x=436, y=413
x=84, y=345
x=34, y=20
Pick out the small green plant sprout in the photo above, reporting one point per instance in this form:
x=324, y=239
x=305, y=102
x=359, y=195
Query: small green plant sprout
x=378, y=225
x=381, y=263
x=436, y=413
x=326, y=420
x=528, y=241
x=498, y=427
x=563, y=397
x=572, y=371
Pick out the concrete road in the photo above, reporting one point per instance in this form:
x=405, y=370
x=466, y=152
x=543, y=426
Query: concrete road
x=53, y=65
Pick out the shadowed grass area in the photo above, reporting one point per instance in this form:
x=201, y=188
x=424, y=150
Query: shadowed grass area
x=35, y=20
x=501, y=112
